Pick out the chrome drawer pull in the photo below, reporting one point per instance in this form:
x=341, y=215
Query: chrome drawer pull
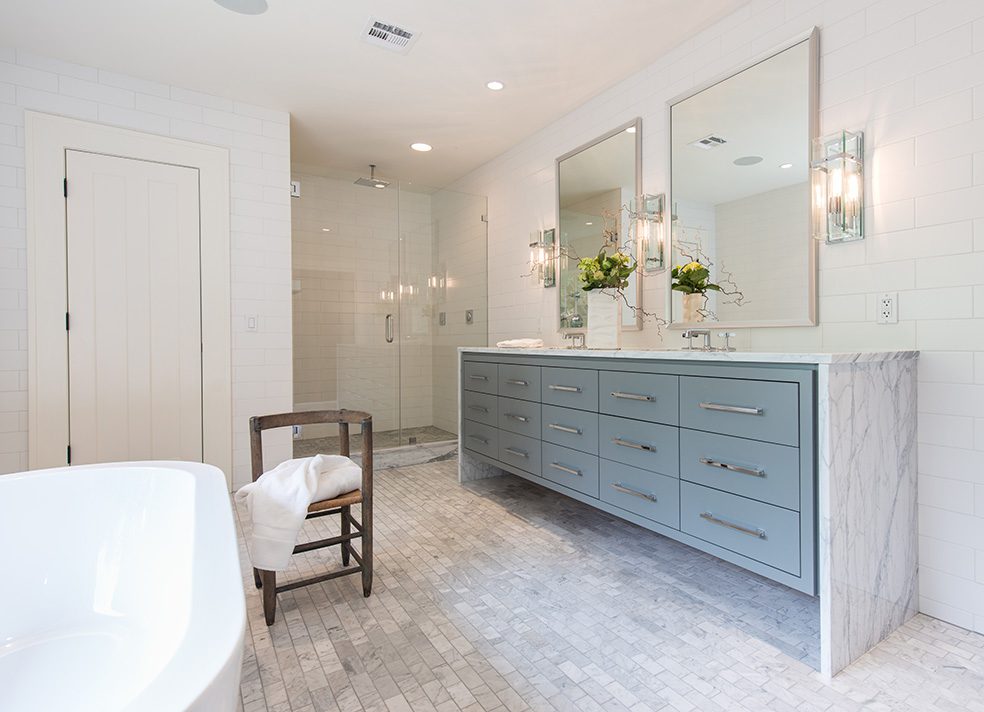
x=760, y=533
x=753, y=471
x=484, y=441
x=635, y=493
x=564, y=468
x=517, y=453
x=632, y=396
x=476, y=377
x=634, y=446
x=564, y=428
x=520, y=418
x=517, y=382
x=731, y=408
x=479, y=408
x=565, y=389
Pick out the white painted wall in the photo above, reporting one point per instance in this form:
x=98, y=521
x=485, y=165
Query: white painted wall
x=911, y=74
x=258, y=140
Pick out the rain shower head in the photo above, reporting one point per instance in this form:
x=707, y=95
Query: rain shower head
x=372, y=181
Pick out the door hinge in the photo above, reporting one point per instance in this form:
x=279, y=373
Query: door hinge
x=68, y=454
x=65, y=187
x=66, y=321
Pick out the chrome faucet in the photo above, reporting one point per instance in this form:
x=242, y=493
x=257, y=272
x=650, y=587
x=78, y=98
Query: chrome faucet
x=577, y=339
x=689, y=335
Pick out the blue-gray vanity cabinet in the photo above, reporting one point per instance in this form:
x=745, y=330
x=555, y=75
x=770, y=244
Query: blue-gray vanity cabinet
x=519, y=381
x=644, y=396
x=481, y=438
x=519, y=416
x=762, y=410
x=573, y=469
x=480, y=407
x=653, y=496
x=520, y=451
x=639, y=443
x=570, y=387
x=480, y=376
x=577, y=429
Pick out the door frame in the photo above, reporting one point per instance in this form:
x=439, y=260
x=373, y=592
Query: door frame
x=47, y=139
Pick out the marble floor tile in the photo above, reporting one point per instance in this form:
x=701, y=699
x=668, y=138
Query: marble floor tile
x=501, y=595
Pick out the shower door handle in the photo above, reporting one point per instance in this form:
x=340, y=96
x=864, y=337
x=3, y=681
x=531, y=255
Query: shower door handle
x=389, y=328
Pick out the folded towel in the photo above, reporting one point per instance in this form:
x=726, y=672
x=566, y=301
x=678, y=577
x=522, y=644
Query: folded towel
x=278, y=502
x=520, y=344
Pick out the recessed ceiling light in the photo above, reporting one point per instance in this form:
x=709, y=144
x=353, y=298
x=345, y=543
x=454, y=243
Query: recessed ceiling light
x=747, y=160
x=379, y=185
x=495, y=85
x=589, y=223
x=244, y=7
x=631, y=129
x=423, y=147
x=786, y=165
x=326, y=229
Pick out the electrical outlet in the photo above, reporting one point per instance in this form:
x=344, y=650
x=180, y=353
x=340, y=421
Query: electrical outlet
x=888, y=308
x=295, y=430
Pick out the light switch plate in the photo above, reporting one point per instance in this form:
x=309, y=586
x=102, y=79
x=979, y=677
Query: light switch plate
x=469, y=316
x=887, y=308
x=252, y=322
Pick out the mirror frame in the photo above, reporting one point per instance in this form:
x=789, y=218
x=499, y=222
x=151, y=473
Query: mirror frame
x=640, y=272
x=813, y=118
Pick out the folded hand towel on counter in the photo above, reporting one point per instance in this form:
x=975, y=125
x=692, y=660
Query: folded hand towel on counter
x=520, y=344
x=278, y=502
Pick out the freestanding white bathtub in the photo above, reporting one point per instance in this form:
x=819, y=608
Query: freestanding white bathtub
x=121, y=590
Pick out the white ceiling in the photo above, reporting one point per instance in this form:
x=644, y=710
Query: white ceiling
x=353, y=103
x=763, y=111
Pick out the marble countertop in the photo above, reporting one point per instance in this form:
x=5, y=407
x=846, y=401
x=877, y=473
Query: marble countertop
x=732, y=356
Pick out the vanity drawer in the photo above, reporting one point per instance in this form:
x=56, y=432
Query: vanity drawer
x=763, y=410
x=570, y=468
x=757, y=530
x=763, y=471
x=649, y=446
x=644, y=396
x=519, y=416
x=570, y=387
x=572, y=428
x=641, y=492
x=480, y=407
x=479, y=376
x=481, y=438
x=520, y=451
x=519, y=381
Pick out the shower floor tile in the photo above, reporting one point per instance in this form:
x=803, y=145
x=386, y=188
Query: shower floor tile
x=500, y=595
x=380, y=440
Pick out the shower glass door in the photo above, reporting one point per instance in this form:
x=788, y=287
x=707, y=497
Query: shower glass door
x=374, y=269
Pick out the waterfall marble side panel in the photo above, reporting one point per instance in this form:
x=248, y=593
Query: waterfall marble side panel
x=867, y=505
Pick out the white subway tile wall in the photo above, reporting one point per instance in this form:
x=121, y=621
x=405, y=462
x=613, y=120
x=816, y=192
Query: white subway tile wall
x=911, y=74
x=258, y=140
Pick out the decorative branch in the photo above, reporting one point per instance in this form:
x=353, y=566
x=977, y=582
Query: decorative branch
x=692, y=252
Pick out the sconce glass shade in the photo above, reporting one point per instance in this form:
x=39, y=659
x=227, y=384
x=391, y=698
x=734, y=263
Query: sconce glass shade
x=542, y=257
x=838, y=187
x=646, y=212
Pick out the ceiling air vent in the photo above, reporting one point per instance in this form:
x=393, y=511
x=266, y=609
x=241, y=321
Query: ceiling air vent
x=389, y=36
x=708, y=142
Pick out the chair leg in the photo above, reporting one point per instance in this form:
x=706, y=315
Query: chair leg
x=269, y=579
x=256, y=578
x=366, y=554
x=346, y=530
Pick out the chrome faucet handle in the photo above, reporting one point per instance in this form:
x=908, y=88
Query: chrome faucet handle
x=689, y=335
x=727, y=336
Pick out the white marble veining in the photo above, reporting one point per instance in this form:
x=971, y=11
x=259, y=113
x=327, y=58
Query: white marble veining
x=728, y=356
x=868, y=534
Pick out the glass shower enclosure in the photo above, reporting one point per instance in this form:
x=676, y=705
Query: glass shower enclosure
x=387, y=284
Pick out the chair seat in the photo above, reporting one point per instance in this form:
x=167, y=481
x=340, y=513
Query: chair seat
x=349, y=498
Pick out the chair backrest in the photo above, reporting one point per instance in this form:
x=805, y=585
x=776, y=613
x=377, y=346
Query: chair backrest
x=344, y=418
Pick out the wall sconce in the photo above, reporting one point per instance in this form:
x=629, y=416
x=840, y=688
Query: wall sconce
x=646, y=213
x=542, y=257
x=838, y=187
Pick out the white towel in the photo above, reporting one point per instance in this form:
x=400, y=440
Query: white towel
x=520, y=344
x=279, y=499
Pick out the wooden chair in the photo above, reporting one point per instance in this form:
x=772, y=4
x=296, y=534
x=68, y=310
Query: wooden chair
x=267, y=580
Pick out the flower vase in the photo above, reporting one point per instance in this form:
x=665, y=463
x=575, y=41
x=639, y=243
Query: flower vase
x=692, y=304
x=604, y=319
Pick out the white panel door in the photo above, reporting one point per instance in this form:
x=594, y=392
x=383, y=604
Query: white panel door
x=134, y=305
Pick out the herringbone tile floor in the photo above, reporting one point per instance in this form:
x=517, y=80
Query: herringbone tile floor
x=500, y=595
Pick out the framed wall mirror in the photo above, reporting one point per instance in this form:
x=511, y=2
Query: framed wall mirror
x=740, y=194
x=595, y=184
